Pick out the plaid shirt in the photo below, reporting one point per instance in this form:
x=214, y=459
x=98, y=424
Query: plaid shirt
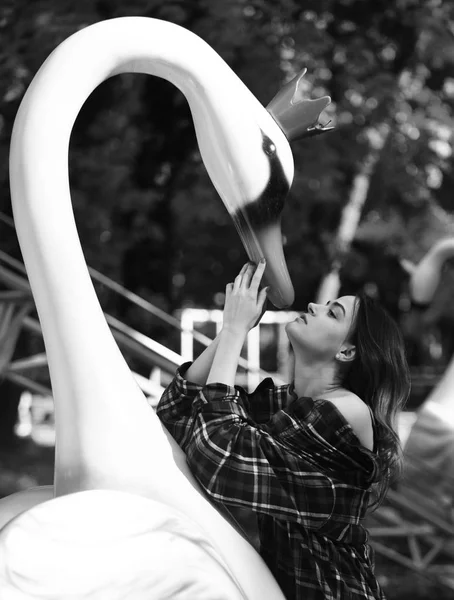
x=300, y=468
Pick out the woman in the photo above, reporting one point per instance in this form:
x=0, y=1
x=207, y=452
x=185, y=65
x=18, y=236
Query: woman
x=306, y=457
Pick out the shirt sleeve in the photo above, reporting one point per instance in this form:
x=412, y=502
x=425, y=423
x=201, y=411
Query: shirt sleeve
x=241, y=464
x=175, y=406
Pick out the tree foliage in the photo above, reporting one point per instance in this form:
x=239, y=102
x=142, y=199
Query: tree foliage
x=146, y=210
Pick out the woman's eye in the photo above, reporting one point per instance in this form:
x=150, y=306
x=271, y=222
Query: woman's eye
x=330, y=312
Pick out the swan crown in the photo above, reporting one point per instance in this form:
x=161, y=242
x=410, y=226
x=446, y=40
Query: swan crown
x=298, y=117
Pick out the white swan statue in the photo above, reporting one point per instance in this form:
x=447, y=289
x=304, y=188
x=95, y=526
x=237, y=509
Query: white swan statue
x=431, y=439
x=425, y=276
x=125, y=518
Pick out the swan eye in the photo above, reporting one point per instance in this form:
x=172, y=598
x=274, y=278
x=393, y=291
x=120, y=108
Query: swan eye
x=269, y=148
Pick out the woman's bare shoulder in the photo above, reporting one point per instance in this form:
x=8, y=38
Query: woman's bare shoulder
x=356, y=412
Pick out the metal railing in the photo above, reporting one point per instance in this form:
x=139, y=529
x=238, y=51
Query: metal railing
x=138, y=345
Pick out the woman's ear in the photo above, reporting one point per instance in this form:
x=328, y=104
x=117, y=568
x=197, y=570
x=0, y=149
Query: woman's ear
x=347, y=353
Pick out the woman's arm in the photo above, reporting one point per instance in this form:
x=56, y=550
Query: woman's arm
x=227, y=355
x=219, y=361
x=198, y=371
x=242, y=465
x=244, y=304
x=236, y=326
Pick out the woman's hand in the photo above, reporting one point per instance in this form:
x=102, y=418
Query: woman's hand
x=244, y=301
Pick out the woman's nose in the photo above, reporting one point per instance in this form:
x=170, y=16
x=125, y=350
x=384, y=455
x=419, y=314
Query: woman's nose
x=311, y=308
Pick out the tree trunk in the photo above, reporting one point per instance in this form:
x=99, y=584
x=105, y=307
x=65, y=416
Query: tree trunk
x=351, y=213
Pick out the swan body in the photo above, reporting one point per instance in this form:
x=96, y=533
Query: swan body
x=107, y=439
x=431, y=438
x=150, y=553
x=424, y=280
x=425, y=276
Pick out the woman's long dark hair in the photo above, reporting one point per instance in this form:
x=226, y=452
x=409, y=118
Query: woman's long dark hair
x=379, y=375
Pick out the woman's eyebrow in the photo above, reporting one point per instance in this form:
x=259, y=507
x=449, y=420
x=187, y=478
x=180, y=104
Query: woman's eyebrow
x=336, y=303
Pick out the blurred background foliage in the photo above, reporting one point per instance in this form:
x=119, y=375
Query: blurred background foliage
x=148, y=214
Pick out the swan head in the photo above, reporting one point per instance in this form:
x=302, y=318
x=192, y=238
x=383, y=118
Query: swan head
x=246, y=151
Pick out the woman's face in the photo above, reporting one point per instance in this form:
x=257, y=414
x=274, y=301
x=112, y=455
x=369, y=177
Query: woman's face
x=321, y=332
